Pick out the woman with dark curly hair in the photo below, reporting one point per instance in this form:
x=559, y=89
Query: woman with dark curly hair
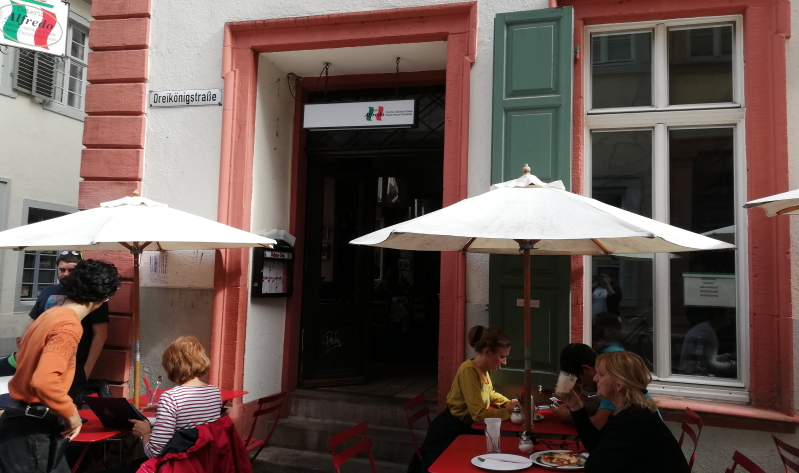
x=41, y=413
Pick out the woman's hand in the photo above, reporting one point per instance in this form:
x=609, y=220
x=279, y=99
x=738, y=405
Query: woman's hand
x=73, y=425
x=511, y=404
x=574, y=403
x=141, y=428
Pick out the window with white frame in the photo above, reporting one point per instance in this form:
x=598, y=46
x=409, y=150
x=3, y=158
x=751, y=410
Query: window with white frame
x=664, y=124
x=39, y=267
x=70, y=76
x=57, y=80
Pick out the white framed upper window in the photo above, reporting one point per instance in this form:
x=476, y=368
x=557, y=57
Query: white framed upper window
x=667, y=65
x=58, y=82
x=667, y=142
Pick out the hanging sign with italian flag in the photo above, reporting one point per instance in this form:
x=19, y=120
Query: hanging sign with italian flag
x=35, y=25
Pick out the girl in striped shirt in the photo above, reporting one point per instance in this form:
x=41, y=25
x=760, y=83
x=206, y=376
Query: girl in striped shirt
x=188, y=405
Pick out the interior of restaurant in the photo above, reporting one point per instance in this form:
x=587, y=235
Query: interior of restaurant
x=374, y=311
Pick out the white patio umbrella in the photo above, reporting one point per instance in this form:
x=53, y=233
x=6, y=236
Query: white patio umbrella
x=132, y=224
x=527, y=216
x=786, y=203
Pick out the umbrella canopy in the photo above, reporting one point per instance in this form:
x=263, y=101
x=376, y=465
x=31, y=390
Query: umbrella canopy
x=132, y=224
x=133, y=221
x=786, y=203
x=528, y=216
x=561, y=222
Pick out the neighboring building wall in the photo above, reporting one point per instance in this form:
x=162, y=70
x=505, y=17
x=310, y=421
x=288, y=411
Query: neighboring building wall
x=792, y=69
x=41, y=162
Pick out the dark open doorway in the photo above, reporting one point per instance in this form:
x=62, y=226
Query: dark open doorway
x=370, y=316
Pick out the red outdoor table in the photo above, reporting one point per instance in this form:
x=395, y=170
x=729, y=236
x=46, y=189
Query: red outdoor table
x=550, y=426
x=457, y=458
x=93, y=431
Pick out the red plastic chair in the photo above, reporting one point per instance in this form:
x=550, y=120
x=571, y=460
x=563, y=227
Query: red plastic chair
x=412, y=418
x=691, y=417
x=739, y=458
x=266, y=405
x=790, y=463
x=351, y=451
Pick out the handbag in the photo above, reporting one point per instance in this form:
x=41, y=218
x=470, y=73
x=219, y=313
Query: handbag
x=58, y=446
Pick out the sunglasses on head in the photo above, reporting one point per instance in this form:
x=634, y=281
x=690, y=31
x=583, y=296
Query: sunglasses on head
x=71, y=252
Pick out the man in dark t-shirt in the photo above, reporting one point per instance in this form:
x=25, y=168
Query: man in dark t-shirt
x=95, y=325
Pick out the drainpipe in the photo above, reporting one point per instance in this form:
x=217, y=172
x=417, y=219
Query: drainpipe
x=553, y=3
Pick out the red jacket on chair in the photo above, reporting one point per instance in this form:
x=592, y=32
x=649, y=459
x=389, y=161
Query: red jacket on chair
x=219, y=449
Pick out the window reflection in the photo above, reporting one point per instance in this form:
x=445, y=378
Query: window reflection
x=700, y=65
x=621, y=292
x=621, y=70
x=703, y=283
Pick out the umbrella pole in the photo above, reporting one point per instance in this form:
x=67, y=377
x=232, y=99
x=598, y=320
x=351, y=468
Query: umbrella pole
x=528, y=381
x=136, y=330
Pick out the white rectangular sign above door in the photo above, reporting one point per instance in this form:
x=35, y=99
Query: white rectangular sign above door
x=379, y=114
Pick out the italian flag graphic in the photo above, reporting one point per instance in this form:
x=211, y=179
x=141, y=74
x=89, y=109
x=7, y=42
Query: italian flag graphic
x=31, y=23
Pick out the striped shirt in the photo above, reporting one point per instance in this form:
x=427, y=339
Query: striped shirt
x=179, y=408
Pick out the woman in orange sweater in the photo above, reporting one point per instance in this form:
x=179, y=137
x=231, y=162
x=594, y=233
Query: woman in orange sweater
x=470, y=396
x=40, y=412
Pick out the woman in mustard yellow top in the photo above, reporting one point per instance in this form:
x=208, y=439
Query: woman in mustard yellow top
x=469, y=397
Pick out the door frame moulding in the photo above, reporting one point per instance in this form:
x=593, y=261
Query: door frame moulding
x=243, y=42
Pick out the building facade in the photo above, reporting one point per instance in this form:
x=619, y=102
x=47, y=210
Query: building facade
x=676, y=110
x=42, y=102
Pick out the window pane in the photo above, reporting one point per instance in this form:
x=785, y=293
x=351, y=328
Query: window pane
x=28, y=275
x=700, y=65
x=30, y=260
x=621, y=292
x=703, y=283
x=46, y=277
x=621, y=70
x=47, y=262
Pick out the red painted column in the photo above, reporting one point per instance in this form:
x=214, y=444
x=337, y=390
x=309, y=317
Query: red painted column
x=112, y=164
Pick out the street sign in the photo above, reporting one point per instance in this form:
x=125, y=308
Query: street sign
x=185, y=98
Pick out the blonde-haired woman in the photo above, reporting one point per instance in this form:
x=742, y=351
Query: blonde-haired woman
x=634, y=439
x=188, y=405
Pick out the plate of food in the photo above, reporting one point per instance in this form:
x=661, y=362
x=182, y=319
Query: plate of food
x=560, y=460
x=501, y=462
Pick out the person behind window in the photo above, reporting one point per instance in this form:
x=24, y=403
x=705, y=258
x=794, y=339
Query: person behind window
x=41, y=411
x=95, y=326
x=188, y=405
x=606, y=333
x=700, y=350
x=605, y=296
x=469, y=397
x=634, y=439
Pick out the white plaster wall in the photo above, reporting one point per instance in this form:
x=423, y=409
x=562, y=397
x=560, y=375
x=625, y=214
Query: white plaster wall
x=41, y=157
x=792, y=69
x=274, y=118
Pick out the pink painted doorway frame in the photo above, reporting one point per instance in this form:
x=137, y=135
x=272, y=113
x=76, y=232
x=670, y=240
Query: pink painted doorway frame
x=457, y=25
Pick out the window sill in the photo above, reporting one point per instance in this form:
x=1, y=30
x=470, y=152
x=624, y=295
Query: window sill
x=734, y=416
x=64, y=110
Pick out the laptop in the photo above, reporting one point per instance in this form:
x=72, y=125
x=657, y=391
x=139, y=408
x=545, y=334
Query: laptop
x=114, y=412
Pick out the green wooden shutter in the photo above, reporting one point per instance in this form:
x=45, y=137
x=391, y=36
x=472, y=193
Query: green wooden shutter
x=533, y=75
x=532, y=124
x=35, y=74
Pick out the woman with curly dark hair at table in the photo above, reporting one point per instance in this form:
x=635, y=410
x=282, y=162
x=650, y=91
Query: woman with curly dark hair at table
x=634, y=439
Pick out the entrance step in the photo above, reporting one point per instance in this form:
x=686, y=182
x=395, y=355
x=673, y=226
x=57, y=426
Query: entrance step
x=388, y=443
x=352, y=408
x=289, y=460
